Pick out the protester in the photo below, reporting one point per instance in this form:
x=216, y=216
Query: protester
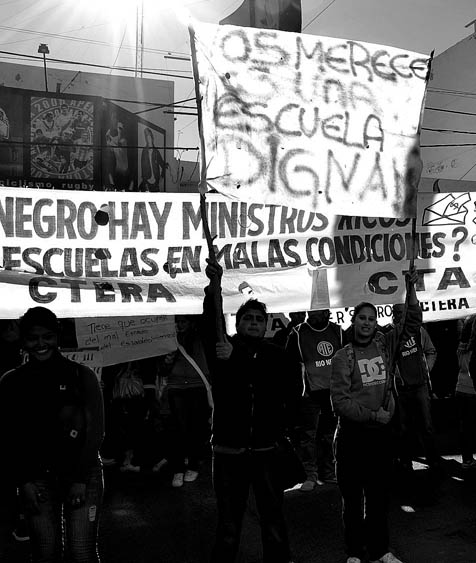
x=362, y=397
x=415, y=360
x=314, y=343
x=280, y=338
x=465, y=393
x=129, y=413
x=255, y=390
x=10, y=358
x=187, y=381
x=54, y=411
x=444, y=335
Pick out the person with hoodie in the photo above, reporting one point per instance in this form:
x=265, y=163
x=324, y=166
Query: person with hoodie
x=362, y=395
x=255, y=390
x=54, y=411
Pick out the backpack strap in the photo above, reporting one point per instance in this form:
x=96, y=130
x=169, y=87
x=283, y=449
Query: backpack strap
x=194, y=364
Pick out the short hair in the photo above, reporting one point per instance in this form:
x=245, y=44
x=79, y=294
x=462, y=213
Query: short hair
x=361, y=306
x=38, y=316
x=251, y=304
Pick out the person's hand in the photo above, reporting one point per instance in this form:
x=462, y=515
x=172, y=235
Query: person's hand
x=76, y=495
x=382, y=416
x=224, y=350
x=213, y=270
x=414, y=167
x=32, y=497
x=412, y=179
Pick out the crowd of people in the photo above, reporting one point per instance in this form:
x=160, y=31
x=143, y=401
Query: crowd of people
x=355, y=404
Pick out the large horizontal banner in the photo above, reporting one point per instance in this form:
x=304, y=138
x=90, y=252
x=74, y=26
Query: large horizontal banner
x=146, y=254
x=312, y=122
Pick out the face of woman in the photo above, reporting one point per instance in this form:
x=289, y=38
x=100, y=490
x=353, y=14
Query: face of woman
x=40, y=343
x=365, y=323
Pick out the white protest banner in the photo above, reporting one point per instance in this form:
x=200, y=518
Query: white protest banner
x=90, y=358
x=313, y=122
x=150, y=258
x=123, y=339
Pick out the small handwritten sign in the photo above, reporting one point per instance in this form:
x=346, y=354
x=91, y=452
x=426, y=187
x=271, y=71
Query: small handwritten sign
x=122, y=339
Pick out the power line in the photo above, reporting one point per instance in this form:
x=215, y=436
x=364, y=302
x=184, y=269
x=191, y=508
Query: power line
x=119, y=49
x=125, y=69
x=461, y=93
x=317, y=15
x=448, y=131
x=89, y=41
x=451, y=111
x=466, y=173
x=45, y=145
x=452, y=145
x=156, y=106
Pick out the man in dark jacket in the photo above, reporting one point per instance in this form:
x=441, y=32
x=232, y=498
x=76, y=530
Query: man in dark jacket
x=255, y=392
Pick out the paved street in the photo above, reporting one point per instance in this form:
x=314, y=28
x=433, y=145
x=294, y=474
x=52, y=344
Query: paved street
x=146, y=521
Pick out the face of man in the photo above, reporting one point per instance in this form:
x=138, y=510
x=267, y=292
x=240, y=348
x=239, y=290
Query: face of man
x=318, y=319
x=252, y=324
x=297, y=317
x=182, y=324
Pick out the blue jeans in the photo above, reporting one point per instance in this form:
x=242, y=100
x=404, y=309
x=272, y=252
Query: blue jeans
x=80, y=525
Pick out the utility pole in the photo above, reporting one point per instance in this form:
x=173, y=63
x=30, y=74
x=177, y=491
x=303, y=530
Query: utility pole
x=139, y=38
x=43, y=48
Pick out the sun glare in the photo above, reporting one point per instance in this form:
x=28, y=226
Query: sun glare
x=115, y=10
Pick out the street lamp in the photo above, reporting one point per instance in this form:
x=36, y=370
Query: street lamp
x=43, y=48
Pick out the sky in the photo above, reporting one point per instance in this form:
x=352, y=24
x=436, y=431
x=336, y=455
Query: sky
x=104, y=32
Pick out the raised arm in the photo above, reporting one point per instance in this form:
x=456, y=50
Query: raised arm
x=216, y=343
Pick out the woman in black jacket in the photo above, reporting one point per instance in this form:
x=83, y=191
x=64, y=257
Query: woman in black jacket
x=54, y=410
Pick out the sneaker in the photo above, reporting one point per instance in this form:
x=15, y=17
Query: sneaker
x=469, y=464
x=190, y=475
x=20, y=533
x=177, y=481
x=354, y=560
x=308, y=486
x=387, y=558
x=128, y=467
x=329, y=479
x=158, y=466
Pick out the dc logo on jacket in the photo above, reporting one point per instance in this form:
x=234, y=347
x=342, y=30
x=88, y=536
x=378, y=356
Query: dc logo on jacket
x=325, y=348
x=372, y=371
